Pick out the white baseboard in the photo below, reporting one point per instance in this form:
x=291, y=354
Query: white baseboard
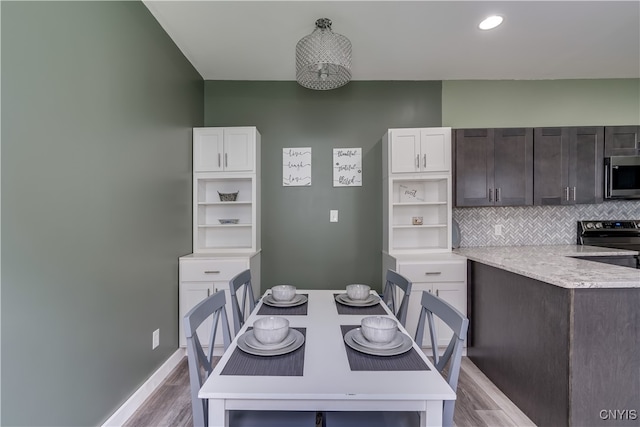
x=124, y=412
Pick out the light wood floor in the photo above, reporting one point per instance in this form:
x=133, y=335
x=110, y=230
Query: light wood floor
x=480, y=403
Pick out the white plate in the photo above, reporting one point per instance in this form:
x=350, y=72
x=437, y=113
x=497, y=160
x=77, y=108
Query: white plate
x=251, y=340
x=360, y=339
x=406, y=345
x=369, y=301
x=297, y=343
x=297, y=300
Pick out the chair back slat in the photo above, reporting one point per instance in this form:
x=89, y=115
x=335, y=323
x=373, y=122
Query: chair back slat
x=201, y=363
x=452, y=356
x=241, y=281
x=395, y=282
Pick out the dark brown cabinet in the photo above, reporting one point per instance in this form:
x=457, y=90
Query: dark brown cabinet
x=568, y=165
x=621, y=141
x=493, y=167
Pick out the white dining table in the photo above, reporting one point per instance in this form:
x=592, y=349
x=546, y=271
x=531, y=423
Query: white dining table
x=327, y=382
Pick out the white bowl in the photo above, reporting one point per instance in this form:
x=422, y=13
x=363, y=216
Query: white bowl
x=271, y=330
x=358, y=292
x=283, y=292
x=379, y=329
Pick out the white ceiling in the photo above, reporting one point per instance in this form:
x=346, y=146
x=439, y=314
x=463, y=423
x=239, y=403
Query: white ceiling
x=411, y=40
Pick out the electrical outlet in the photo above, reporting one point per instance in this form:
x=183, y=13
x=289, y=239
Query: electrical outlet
x=497, y=230
x=333, y=216
x=156, y=339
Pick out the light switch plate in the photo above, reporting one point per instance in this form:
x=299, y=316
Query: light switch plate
x=333, y=216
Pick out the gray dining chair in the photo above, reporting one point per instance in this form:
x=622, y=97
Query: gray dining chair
x=201, y=365
x=451, y=358
x=390, y=294
x=241, y=308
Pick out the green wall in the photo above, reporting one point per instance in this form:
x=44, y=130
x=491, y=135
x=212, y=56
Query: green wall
x=97, y=110
x=515, y=103
x=299, y=244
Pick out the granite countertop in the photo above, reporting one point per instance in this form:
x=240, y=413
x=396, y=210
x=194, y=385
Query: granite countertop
x=554, y=265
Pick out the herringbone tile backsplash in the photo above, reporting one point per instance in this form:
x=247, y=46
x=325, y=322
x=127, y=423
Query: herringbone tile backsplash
x=535, y=225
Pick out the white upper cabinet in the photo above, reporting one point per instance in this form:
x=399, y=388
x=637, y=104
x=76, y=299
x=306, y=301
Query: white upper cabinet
x=419, y=150
x=224, y=149
x=416, y=190
x=226, y=190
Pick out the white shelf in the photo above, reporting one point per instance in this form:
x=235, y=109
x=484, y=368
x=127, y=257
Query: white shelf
x=417, y=203
x=224, y=225
x=233, y=170
x=420, y=226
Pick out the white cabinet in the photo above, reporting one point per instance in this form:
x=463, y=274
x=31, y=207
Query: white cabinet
x=417, y=191
x=225, y=162
x=224, y=149
x=444, y=275
x=418, y=150
x=202, y=275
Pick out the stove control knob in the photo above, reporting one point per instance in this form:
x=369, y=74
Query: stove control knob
x=598, y=225
x=589, y=225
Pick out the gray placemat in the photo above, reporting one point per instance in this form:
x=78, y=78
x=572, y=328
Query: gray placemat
x=409, y=361
x=284, y=365
x=367, y=311
x=298, y=310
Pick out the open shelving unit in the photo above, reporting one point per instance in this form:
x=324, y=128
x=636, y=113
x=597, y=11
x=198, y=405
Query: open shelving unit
x=419, y=214
x=212, y=235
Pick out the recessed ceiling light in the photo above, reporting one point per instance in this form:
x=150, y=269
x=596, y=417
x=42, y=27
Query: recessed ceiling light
x=491, y=22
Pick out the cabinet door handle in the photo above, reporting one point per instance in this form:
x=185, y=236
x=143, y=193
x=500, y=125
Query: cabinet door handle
x=424, y=160
x=418, y=161
x=566, y=193
x=437, y=292
x=491, y=195
x=212, y=272
x=574, y=194
x=226, y=160
x=219, y=161
x=497, y=194
x=432, y=273
x=208, y=292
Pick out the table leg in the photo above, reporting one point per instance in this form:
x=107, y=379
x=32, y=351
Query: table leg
x=433, y=417
x=218, y=416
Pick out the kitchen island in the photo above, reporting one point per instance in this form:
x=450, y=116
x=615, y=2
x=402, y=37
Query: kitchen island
x=559, y=335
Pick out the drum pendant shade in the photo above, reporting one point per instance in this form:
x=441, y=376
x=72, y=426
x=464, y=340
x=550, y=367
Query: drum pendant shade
x=323, y=58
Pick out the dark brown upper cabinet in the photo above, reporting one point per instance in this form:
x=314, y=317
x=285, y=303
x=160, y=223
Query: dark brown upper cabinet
x=568, y=165
x=494, y=167
x=621, y=141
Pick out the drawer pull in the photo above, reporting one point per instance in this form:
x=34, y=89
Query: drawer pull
x=212, y=272
x=432, y=273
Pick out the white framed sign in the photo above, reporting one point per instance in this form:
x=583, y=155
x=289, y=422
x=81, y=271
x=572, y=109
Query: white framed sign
x=296, y=167
x=347, y=167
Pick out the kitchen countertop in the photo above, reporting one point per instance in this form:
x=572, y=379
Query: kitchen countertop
x=554, y=265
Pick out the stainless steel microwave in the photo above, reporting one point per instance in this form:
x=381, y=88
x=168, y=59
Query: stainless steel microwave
x=622, y=177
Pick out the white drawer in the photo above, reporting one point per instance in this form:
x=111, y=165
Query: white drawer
x=210, y=270
x=434, y=272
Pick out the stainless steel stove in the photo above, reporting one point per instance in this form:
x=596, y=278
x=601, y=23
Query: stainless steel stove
x=611, y=234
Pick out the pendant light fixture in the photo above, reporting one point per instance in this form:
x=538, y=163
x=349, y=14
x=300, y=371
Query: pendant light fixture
x=323, y=58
